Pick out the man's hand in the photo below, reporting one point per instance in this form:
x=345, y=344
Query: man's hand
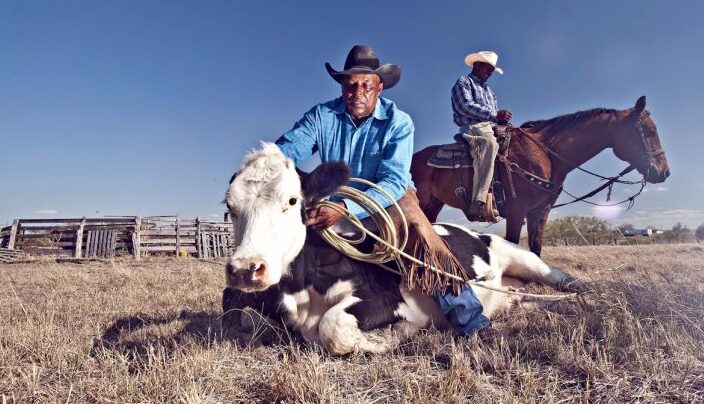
x=322, y=217
x=503, y=116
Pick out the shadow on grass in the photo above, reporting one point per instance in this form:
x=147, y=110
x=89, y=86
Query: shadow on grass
x=137, y=337
x=140, y=338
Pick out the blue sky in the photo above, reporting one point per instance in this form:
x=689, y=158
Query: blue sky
x=132, y=107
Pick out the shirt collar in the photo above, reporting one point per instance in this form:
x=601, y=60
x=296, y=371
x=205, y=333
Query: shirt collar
x=379, y=111
x=476, y=80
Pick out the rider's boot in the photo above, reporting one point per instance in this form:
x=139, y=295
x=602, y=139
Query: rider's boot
x=477, y=210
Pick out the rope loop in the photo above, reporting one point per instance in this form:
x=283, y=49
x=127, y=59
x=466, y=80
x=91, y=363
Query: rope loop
x=391, y=243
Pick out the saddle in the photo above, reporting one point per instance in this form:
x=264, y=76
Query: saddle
x=457, y=157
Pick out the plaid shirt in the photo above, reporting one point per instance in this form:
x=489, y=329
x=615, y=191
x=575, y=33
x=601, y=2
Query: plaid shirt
x=472, y=102
x=380, y=150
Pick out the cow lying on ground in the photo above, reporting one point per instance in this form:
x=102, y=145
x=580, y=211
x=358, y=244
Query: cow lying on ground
x=288, y=272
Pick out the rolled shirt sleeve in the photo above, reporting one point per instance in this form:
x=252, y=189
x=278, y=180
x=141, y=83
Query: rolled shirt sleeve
x=301, y=141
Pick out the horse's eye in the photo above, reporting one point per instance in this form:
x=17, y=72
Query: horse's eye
x=292, y=201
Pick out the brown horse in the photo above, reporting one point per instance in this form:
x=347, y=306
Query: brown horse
x=574, y=139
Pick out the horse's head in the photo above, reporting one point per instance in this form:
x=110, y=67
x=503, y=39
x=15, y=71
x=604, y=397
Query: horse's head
x=266, y=200
x=639, y=144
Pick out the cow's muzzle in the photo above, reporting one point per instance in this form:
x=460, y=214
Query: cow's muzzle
x=246, y=274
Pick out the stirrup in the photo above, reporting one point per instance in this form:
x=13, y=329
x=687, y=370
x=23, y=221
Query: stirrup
x=489, y=214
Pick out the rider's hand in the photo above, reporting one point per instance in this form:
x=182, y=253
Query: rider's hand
x=322, y=217
x=503, y=115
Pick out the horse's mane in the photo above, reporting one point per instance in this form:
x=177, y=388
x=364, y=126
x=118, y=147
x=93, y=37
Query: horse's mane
x=557, y=123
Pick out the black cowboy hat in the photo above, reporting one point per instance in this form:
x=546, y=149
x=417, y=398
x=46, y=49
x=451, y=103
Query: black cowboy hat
x=363, y=60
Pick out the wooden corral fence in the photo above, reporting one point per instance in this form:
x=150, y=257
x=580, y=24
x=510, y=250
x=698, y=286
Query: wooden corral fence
x=11, y=255
x=111, y=236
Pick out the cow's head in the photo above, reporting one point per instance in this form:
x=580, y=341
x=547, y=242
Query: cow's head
x=267, y=201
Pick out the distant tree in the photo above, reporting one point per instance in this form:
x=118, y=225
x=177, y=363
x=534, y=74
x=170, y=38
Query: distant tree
x=699, y=233
x=678, y=234
x=558, y=231
x=577, y=229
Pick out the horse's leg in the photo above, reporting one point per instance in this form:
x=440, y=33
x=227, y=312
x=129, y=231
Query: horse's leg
x=423, y=178
x=514, y=224
x=432, y=208
x=536, y=225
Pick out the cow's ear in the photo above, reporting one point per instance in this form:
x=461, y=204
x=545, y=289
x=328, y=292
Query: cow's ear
x=323, y=181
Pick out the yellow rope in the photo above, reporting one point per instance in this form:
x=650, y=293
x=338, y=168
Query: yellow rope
x=392, y=245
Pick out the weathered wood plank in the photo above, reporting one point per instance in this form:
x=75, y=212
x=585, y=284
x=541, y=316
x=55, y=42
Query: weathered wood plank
x=199, y=239
x=11, y=255
x=79, y=239
x=13, y=234
x=26, y=228
x=52, y=244
x=178, y=238
x=136, y=239
x=58, y=236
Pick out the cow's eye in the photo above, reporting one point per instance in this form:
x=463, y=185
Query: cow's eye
x=292, y=201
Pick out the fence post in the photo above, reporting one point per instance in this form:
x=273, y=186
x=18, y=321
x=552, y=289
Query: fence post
x=178, y=238
x=199, y=240
x=13, y=234
x=136, y=239
x=79, y=239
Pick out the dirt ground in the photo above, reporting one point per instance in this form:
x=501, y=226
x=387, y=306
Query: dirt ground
x=149, y=331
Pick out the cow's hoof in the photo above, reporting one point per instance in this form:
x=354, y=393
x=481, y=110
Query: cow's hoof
x=573, y=285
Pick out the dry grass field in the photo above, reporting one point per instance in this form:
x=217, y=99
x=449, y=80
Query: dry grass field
x=125, y=331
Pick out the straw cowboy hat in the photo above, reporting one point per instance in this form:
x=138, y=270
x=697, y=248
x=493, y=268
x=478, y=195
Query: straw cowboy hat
x=486, y=57
x=363, y=60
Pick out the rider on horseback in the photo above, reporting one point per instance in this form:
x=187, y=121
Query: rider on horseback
x=476, y=113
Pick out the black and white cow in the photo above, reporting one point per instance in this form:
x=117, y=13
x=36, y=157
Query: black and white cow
x=289, y=272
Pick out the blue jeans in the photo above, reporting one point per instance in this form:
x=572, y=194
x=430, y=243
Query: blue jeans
x=464, y=311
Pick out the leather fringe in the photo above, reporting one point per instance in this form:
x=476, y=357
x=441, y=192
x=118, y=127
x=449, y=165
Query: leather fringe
x=417, y=276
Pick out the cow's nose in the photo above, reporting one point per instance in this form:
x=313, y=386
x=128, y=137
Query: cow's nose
x=255, y=266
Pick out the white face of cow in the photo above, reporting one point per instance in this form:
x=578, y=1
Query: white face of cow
x=266, y=200
x=265, y=203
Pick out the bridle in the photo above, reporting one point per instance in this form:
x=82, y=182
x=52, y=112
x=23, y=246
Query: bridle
x=646, y=153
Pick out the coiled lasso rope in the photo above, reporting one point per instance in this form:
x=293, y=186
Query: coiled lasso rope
x=392, y=245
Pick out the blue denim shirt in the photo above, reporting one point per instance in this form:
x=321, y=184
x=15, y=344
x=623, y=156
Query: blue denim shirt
x=379, y=150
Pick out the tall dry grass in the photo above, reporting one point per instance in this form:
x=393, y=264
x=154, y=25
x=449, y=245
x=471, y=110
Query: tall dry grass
x=149, y=331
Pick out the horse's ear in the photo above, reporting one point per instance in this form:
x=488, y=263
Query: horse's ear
x=640, y=105
x=323, y=181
